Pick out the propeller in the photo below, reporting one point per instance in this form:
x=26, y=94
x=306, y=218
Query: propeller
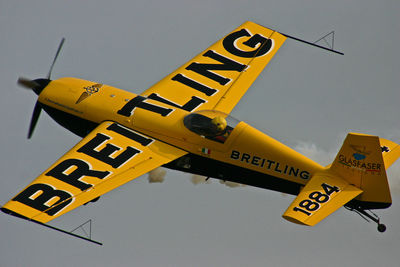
x=55, y=57
x=34, y=119
x=27, y=83
x=37, y=86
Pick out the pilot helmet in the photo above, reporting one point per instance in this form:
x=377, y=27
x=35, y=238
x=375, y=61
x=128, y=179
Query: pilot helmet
x=220, y=123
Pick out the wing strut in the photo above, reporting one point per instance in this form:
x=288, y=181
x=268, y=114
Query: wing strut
x=69, y=233
x=55, y=228
x=330, y=35
x=314, y=44
x=83, y=229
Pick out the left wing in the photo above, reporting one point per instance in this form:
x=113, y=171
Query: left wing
x=218, y=77
x=321, y=196
x=108, y=157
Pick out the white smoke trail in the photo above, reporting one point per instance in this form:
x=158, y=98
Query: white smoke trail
x=231, y=184
x=198, y=179
x=157, y=175
x=326, y=157
x=319, y=155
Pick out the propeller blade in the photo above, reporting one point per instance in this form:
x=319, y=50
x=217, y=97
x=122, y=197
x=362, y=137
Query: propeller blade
x=27, y=83
x=34, y=119
x=55, y=57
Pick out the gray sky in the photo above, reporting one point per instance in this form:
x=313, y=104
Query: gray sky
x=306, y=98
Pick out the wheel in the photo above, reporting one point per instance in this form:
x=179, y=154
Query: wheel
x=381, y=228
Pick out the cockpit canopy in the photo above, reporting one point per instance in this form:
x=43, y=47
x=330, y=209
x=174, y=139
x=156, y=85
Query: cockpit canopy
x=212, y=124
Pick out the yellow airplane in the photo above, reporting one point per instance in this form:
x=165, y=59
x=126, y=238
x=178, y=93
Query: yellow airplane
x=182, y=123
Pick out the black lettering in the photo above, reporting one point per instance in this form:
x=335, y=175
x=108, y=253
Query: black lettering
x=227, y=64
x=138, y=102
x=195, y=85
x=304, y=175
x=277, y=167
x=82, y=169
x=363, y=165
x=235, y=154
x=104, y=154
x=262, y=163
x=263, y=44
x=189, y=106
x=245, y=157
x=329, y=189
x=42, y=193
x=255, y=160
x=270, y=163
x=144, y=141
x=293, y=171
x=286, y=167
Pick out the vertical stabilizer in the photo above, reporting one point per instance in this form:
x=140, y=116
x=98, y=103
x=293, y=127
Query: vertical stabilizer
x=360, y=162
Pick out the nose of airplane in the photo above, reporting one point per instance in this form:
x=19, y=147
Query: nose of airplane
x=36, y=85
x=41, y=84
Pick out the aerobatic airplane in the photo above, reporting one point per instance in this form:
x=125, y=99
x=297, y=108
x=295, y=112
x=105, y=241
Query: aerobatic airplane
x=182, y=123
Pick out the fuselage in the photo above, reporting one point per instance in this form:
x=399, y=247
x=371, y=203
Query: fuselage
x=244, y=155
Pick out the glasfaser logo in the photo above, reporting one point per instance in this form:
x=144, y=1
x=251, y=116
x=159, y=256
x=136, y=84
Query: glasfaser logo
x=356, y=161
x=89, y=90
x=361, y=152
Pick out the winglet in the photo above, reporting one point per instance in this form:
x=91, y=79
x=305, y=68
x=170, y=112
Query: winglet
x=313, y=44
x=10, y=212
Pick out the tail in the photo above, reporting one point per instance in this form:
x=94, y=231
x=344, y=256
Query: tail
x=362, y=161
x=356, y=179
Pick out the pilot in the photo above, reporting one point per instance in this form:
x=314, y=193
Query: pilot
x=218, y=125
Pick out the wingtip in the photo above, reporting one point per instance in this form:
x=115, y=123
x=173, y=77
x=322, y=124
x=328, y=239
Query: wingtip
x=5, y=210
x=10, y=212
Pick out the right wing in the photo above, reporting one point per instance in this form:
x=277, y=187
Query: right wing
x=218, y=77
x=110, y=156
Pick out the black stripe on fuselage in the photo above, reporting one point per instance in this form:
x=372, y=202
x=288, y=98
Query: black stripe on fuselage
x=78, y=126
x=196, y=164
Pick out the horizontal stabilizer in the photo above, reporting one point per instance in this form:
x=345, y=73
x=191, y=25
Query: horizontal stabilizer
x=390, y=152
x=322, y=195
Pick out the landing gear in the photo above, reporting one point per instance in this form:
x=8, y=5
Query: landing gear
x=368, y=214
x=381, y=228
